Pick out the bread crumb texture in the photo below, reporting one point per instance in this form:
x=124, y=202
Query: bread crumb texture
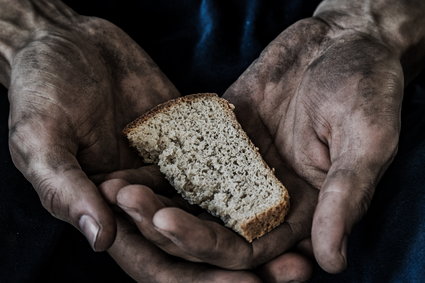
x=204, y=153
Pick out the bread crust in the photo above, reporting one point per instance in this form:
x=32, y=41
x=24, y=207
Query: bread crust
x=253, y=227
x=164, y=107
x=263, y=223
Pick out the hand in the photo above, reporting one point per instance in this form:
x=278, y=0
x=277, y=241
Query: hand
x=73, y=86
x=140, y=258
x=326, y=101
x=136, y=255
x=144, y=262
x=195, y=236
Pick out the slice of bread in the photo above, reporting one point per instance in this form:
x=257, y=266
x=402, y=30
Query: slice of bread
x=205, y=154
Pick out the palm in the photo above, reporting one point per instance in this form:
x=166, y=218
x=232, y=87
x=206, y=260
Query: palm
x=299, y=95
x=84, y=93
x=71, y=92
x=326, y=106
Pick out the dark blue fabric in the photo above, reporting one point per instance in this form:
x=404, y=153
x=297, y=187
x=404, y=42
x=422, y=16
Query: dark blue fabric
x=204, y=45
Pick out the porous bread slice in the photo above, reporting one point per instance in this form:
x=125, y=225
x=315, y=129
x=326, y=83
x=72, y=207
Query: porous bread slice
x=205, y=154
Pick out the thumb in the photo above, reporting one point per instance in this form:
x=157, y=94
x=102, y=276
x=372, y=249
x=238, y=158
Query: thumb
x=343, y=199
x=360, y=155
x=69, y=195
x=64, y=189
x=337, y=210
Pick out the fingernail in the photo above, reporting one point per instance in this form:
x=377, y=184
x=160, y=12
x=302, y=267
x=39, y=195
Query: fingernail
x=90, y=229
x=132, y=212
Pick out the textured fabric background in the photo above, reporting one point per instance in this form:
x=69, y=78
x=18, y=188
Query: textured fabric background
x=204, y=45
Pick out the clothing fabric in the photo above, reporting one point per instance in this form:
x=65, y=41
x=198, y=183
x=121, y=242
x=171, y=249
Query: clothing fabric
x=203, y=46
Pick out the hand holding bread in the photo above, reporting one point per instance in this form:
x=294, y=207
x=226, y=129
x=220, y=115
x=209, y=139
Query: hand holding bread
x=326, y=101
x=191, y=234
x=205, y=154
x=177, y=123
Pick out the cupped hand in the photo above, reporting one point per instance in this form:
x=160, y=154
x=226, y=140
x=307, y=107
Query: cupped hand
x=192, y=234
x=144, y=262
x=139, y=257
x=73, y=86
x=195, y=236
x=326, y=102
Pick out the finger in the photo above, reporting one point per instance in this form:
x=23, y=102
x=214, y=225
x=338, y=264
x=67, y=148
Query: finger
x=146, y=263
x=206, y=241
x=288, y=267
x=64, y=189
x=147, y=175
x=212, y=243
x=335, y=214
x=67, y=193
x=110, y=189
x=141, y=204
x=346, y=194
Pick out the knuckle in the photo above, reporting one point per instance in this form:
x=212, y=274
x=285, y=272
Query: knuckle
x=93, y=23
x=383, y=141
x=50, y=197
x=354, y=189
x=136, y=197
x=19, y=142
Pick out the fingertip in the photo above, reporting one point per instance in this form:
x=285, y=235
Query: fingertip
x=68, y=194
x=333, y=219
x=95, y=219
x=133, y=195
x=166, y=219
x=106, y=237
x=331, y=257
x=99, y=231
x=179, y=227
x=190, y=234
x=139, y=202
x=110, y=189
x=331, y=262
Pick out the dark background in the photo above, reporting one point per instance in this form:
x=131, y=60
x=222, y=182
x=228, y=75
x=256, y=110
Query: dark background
x=203, y=46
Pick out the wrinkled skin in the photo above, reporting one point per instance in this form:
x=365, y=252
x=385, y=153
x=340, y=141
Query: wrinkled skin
x=72, y=90
x=327, y=102
x=323, y=103
x=201, y=238
x=141, y=259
